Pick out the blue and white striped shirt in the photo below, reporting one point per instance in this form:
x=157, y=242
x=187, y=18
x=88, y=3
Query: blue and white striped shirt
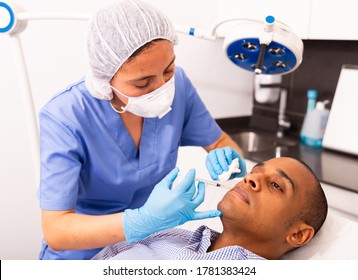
x=176, y=244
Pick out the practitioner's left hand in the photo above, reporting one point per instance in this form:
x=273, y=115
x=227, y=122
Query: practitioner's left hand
x=218, y=161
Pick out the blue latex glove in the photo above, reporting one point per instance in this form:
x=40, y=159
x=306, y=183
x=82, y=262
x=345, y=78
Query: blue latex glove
x=166, y=207
x=218, y=161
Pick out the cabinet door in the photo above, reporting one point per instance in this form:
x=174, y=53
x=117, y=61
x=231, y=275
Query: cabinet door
x=294, y=13
x=334, y=20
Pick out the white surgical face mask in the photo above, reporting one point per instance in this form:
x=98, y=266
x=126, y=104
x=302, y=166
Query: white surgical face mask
x=151, y=105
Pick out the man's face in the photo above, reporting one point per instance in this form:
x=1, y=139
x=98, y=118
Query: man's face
x=267, y=200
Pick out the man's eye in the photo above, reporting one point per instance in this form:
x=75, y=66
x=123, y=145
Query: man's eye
x=276, y=186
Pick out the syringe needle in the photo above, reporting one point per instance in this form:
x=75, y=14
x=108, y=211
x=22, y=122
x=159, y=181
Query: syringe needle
x=212, y=183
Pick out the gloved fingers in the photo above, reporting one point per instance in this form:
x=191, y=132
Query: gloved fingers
x=213, y=165
x=168, y=180
x=188, y=183
x=223, y=160
x=210, y=169
x=200, y=195
x=206, y=214
x=230, y=154
x=190, y=192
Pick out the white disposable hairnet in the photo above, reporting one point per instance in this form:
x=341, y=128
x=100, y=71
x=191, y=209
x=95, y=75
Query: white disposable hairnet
x=115, y=33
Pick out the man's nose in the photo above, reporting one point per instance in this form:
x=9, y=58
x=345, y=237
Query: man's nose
x=253, y=181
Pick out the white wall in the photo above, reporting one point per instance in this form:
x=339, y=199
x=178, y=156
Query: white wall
x=55, y=57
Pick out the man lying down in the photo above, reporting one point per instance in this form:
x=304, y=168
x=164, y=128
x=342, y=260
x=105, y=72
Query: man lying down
x=278, y=207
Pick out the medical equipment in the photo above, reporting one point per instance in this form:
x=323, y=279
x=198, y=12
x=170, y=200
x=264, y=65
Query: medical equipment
x=211, y=183
x=264, y=48
x=13, y=21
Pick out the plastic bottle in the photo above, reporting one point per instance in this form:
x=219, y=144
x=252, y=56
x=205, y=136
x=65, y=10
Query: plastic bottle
x=314, y=125
x=311, y=95
x=311, y=105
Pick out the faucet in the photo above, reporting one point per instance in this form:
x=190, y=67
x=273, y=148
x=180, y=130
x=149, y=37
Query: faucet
x=282, y=123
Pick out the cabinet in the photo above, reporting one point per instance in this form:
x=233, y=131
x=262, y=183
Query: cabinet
x=333, y=20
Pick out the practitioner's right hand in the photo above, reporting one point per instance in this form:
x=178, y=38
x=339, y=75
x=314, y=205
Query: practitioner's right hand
x=167, y=207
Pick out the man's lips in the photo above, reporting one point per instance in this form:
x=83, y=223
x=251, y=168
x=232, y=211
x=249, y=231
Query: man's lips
x=241, y=193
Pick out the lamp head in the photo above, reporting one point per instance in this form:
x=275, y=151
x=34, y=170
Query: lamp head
x=9, y=22
x=282, y=54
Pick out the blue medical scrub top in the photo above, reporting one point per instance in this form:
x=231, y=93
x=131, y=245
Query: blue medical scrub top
x=90, y=163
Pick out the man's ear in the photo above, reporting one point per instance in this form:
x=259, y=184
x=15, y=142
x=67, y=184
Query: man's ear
x=300, y=235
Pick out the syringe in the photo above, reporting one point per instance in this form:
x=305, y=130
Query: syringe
x=212, y=183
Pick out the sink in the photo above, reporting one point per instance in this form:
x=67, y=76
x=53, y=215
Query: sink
x=251, y=141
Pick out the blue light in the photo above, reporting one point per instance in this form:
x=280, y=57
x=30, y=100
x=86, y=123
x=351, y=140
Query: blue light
x=270, y=19
x=12, y=18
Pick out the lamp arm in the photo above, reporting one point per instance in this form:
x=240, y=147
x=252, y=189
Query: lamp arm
x=211, y=34
x=217, y=24
x=196, y=32
x=13, y=20
x=52, y=16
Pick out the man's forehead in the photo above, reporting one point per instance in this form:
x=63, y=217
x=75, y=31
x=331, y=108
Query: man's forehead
x=279, y=165
x=281, y=162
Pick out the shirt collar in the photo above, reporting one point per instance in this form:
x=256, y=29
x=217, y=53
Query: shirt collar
x=201, y=239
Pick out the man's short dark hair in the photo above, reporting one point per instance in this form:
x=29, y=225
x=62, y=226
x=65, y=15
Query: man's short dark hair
x=315, y=208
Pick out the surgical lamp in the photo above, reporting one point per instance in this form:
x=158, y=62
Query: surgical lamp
x=268, y=47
